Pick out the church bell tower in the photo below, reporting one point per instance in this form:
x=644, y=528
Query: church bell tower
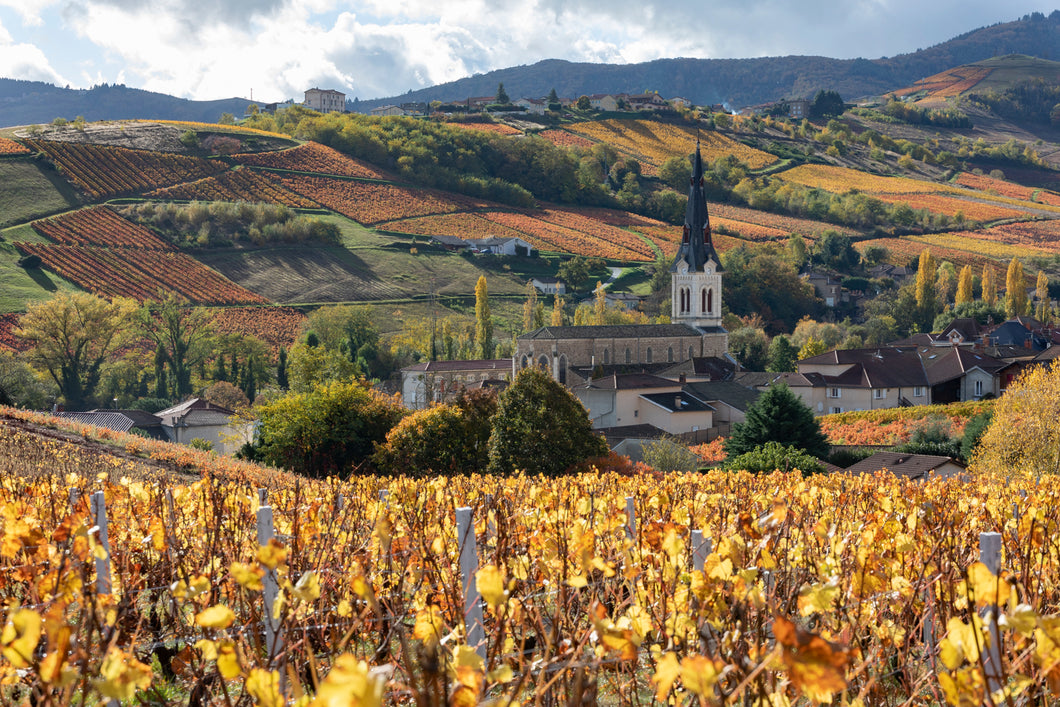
x=696, y=271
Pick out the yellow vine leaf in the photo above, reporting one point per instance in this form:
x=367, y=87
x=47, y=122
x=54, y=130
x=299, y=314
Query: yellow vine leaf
x=121, y=675
x=264, y=687
x=248, y=576
x=667, y=670
x=308, y=587
x=272, y=555
x=815, y=666
x=20, y=637
x=988, y=587
x=490, y=583
x=350, y=684
x=216, y=617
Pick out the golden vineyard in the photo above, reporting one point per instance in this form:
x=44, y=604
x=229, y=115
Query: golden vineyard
x=850, y=590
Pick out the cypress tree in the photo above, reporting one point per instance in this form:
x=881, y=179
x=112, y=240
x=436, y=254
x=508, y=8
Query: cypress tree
x=778, y=416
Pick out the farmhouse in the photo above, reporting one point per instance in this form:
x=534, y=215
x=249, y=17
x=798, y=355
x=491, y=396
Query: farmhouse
x=433, y=381
x=325, y=100
x=200, y=419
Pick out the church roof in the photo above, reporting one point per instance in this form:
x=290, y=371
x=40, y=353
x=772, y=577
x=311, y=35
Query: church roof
x=619, y=331
x=697, y=247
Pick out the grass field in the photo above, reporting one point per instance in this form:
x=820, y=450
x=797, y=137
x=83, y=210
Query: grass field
x=28, y=192
x=19, y=287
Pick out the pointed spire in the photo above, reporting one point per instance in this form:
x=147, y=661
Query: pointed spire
x=697, y=246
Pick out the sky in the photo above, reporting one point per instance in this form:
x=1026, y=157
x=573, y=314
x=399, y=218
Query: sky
x=271, y=50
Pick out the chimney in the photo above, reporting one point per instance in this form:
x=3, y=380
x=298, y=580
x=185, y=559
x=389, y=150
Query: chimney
x=682, y=379
x=677, y=402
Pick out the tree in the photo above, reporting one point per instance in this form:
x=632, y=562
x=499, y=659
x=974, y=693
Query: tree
x=925, y=281
x=553, y=97
x=777, y=416
x=675, y=172
x=540, y=428
x=749, y=346
x=600, y=305
x=502, y=95
x=20, y=385
x=989, y=285
x=1015, y=290
x=444, y=439
x=74, y=336
x=529, y=306
x=577, y=271
x=1024, y=440
x=310, y=365
x=827, y=104
x=182, y=333
x=964, y=286
x=226, y=395
x=836, y=251
x=483, y=321
x=1041, y=292
x=774, y=456
x=812, y=347
x=782, y=356
x=557, y=311
x=281, y=370
x=331, y=429
x=584, y=103
x=945, y=282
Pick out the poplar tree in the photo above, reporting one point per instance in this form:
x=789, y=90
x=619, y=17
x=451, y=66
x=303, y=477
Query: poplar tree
x=530, y=306
x=1042, y=293
x=964, y=286
x=557, y=311
x=925, y=281
x=989, y=285
x=600, y=307
x=483, y=321
x=1015, y=290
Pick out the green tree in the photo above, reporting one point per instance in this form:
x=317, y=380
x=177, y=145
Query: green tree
x=331, y=429
x=945, y=282
x=310, y=365
x=529, y=306
x=777, y=416
x=444, y=439
x=774, y=456
x=676, y=172
x=502, y=95
x=783, y=357
x=540, y=428
x=557, y=311
x=20, y=385
x=483, y=321
x=182, y=333
x=835, y=250
x=1041, y=292
x=553, y=99
x=73, y=337
x=750, y=347
x=812, y=347
x=1015, y=290
x=827, y=104
x=584, y=103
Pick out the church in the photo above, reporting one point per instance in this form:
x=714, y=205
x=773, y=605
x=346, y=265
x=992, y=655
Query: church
x=573, y=354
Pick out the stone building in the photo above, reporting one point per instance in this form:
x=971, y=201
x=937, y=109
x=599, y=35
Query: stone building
x=572, y=353
x=325, y=100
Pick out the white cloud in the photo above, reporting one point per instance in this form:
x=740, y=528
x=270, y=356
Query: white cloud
x=19, y=60
x=28, y=10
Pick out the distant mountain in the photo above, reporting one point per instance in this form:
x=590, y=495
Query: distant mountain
x=744, y=82
x=30, y=102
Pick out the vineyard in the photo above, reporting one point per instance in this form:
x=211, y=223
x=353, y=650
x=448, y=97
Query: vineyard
x=840, y=180
x=235, y=185
x=278, y=327
x=372, y=202
x=98, y=226
x=104, y=171
x=498, y=128
x=312, y=157
x=139, y=273
x=996, y=186
x=8, y=341
x=562, y=138
x=706, y=589
x=949, y=83
x=979, y=243
x=977, y=211
x=548, y=236
x=11, y=147
x=895, y=425
x=905, y=251
x=653, y=143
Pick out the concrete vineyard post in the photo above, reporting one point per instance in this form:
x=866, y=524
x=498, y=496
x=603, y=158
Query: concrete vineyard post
x=465, y=538
x=99, y=518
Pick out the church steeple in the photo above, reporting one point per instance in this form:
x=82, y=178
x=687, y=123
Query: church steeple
x=697, y=247
x=696, y=271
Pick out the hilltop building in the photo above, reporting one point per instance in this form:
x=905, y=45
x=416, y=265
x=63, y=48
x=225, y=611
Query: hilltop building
x=573, y=353
x=325, y=100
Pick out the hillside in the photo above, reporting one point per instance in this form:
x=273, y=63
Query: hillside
x=744, y=82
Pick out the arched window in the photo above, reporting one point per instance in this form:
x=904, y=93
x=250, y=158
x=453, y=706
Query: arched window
x=710, y=301
x=647, y=355
x=607, y=356
x=670, y=355
x=684, y=237
x=542, y=361
x=629, y=356
x=563, y=370
x=691, y=353
x=523, y=362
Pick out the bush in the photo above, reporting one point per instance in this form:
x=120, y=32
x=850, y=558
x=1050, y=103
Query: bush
x=974, y=430
x=204, y=445
x=670, y=455
x=774, y=456
x=847, y=456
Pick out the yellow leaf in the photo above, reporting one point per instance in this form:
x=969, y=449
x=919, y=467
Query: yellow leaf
x=429, y=626
x=950, y=654
x=350, y=684
x=228, y=660
x=490, y=583
x=20, y=637
x=721, y=570
x=248, y=576
x=344, y=609
x=208, y=648
x=272, y=555
x=308, y=587
x=1023, y=619
x=699, y=674
x=120, y=676
x=667, y=669
x=578, y=581
x=218, y=617
x=987, y=587
x=466, y=655
x=264, y=687
x=501, y=675
x=815, y=666
x=817, y=599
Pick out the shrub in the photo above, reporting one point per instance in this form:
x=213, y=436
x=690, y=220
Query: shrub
x=774, y=456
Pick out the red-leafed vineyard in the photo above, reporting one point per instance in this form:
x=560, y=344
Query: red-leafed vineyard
x=498, y=128
x=276, y=326
x=8, y=340
x=103, y=171
x=139, y=273
x=238, y=185
x=10, y=147
x=371, y=202
x=554, y=237
x=312, y=157
x=98, y=226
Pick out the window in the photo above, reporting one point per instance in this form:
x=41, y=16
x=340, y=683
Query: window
x=629, y=356
x=523, y=362
x=563, y=370
x=543, y=361
x=879, y=393
x=703, y=301
x=979, y=389
x=670, y=355
x=710, y=301
x=918, y=391
x=647, y=355
x=835, y=392
x=607, y=356
x=836, y=411
x=691, y=353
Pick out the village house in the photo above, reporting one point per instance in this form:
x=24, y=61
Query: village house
x=435, y=381
x=549, y=285
x=379, y=111
x=325, y=100
x=603, y=102
x=915, y=467
x=200, y=419
x=534, y=106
